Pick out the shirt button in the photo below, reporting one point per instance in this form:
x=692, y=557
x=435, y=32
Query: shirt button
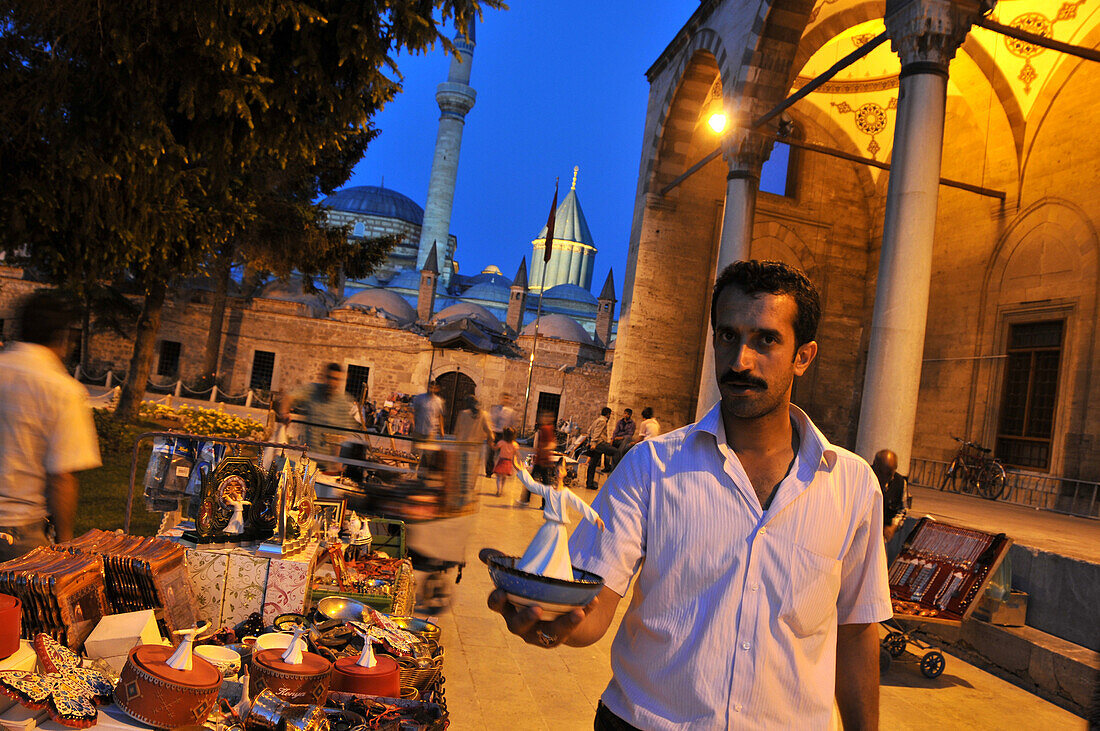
x=762, y=531
x=745, y=646
x=754, y=587
x=738, y=707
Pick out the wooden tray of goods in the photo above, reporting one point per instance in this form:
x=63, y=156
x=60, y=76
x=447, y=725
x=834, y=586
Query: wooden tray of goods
x=942, y=571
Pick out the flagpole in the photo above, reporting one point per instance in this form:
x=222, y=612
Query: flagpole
x=534, y=346
x=548, y=243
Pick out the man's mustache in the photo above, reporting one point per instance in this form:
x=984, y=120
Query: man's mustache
x=743, y=378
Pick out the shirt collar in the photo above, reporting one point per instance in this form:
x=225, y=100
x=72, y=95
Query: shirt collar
x=814, y=446
x=37, y=353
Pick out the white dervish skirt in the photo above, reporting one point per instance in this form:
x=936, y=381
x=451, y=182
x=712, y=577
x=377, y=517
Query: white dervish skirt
x=548, y=554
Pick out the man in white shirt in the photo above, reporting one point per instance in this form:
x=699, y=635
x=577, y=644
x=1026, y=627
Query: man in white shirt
x=46, y=429
x=755, y=545
x=650, y=427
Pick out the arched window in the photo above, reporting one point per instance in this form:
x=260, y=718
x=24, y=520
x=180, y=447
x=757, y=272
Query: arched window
x=779, y=175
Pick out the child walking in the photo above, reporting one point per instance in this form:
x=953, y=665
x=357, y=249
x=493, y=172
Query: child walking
x=507, y=449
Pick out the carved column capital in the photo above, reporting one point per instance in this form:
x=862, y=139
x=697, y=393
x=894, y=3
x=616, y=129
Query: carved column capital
x=929, y=32
x=746, y=150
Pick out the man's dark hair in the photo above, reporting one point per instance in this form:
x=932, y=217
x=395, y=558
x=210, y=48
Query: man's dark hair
x=334, y=368
x=605, y=411
x=773, y=277
x=629, y=412
x=46, y=316
x=647, y=413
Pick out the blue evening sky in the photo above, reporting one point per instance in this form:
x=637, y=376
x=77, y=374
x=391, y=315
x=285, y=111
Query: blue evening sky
x=558, y=84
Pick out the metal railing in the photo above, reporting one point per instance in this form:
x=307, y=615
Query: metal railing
x=1043, y=492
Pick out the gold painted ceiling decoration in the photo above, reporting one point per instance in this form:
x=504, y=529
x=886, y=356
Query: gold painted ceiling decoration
x=870, y=118
x=1038, y=24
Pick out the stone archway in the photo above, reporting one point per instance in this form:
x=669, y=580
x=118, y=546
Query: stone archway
x=454, y=388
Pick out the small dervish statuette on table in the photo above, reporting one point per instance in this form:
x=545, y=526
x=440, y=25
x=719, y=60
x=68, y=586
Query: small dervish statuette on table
x=548, y=554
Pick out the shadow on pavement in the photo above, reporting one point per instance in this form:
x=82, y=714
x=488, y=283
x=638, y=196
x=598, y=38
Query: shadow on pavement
x=902, y=674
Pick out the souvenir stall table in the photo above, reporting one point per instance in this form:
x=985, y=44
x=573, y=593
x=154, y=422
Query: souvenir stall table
x=212, y=624
x=937, y=578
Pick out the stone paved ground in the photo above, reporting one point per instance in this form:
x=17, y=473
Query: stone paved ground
x=1065, y=535
x=495, y=681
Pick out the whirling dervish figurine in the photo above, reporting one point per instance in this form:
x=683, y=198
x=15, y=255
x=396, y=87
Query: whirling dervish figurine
x=548, y=554
x=236, y=523
x=181, y=659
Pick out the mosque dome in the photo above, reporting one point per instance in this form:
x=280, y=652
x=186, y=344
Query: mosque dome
x=469, y=310
x=560, y=327
x=375, y=200
x=410, y=279
x=488, y=292
x=383, y=300
x=291, y=291
x=570, y=293
x=490, y=275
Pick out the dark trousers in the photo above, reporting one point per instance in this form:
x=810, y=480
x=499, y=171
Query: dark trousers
x=543, y=474
x=608, y=721
x=594, y=455
x=490, y=455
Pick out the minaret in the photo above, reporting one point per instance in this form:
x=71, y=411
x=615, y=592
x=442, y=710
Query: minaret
x=517, y=300
x=605, y=311
x=455, y=98
x=425, y=298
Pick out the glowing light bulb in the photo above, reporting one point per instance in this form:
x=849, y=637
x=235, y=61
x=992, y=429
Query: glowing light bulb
x=717, y=121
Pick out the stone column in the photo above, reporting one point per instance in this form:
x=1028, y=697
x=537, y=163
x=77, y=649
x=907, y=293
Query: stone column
x=925, y=34
x=745, y=151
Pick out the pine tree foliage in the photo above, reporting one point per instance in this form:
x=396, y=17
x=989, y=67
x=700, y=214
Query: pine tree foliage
x=147, y=137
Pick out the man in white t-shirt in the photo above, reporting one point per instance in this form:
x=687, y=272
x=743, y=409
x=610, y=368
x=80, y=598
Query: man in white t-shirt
x=649, y=427
x=46, y=428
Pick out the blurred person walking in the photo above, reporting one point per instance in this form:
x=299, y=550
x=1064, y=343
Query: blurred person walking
x=321, y=404
x=428, y=413
x=472, y=426
x=501, y=417
x=507, y=449
x=46, y=428
x=543, y=469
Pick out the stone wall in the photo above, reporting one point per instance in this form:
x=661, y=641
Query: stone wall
x=401, y=361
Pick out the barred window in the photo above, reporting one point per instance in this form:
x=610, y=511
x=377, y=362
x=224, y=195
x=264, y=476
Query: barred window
x=263, y=368
x=169, y=364
x=1030, y=394
x=356, y=383
x=549, y=402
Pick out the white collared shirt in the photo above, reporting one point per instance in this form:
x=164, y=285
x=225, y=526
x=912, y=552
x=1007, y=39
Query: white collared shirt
x=733, y=621
x=45, y=428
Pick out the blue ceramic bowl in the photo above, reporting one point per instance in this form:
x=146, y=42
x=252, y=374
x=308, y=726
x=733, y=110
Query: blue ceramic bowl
x=554, y=596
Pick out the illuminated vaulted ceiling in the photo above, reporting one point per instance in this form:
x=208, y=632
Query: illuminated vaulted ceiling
x=861, y=100
x=1029, y=67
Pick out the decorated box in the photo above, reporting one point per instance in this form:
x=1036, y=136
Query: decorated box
x=231, y=584
x=207, y=571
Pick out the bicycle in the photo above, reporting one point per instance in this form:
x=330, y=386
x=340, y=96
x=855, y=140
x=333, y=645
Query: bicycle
x=975, y=471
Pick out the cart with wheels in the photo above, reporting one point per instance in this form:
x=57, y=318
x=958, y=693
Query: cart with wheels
x=937, y=578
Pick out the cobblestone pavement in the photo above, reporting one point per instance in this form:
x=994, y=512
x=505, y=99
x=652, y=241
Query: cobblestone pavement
x=495, y=681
